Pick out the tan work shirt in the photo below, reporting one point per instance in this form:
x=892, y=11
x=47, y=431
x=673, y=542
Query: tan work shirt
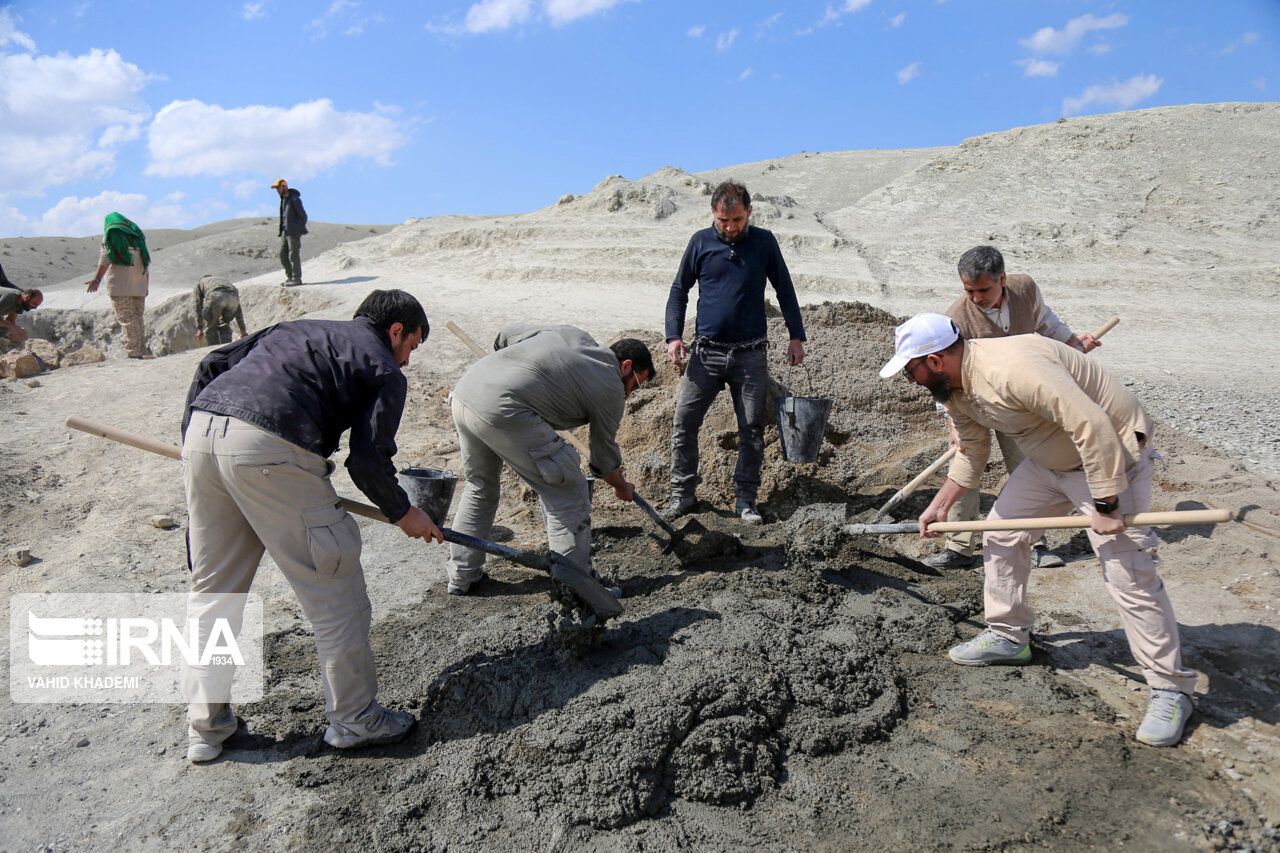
x=1062, y=408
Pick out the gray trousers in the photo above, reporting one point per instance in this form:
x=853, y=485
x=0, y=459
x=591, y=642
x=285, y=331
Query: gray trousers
x=545, y=461
x=710, y=369
x=291, y=256
x=249, y=491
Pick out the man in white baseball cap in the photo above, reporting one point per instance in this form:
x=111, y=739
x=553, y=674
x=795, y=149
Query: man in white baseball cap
x=1087, y=443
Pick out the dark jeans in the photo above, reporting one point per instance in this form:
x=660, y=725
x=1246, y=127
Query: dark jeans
x=291, y=256
x=710, y=369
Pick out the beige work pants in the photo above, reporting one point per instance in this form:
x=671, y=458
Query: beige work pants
x=129, y=312
x=1128, y=560
x=967, y=508
x=249, y=491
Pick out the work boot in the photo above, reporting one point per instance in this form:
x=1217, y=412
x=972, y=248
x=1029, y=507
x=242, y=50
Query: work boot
x=749, y=512
x=381, y=726
x=1043, y=558
x=679, y=505
x=1167, y=713
x=990, y=648
x=948, y=559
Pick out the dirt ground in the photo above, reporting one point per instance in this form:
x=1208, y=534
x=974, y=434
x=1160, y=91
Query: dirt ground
x=778, y=687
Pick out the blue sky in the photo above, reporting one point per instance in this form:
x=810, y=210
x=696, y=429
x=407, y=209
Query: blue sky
x=181, y=113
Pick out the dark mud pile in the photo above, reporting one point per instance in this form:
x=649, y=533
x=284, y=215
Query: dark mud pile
x=782, y=686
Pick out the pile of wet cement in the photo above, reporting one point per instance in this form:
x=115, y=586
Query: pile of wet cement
x=788, y=665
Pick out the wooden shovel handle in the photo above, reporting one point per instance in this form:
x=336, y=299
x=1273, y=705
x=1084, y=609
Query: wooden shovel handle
x=1106, y=327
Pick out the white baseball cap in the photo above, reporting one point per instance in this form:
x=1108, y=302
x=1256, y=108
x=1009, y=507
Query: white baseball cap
x=921, y=335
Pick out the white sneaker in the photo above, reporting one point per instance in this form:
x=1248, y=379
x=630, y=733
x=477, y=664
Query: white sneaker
x=383, y=726
x=990, y=648
x=1167, y=713
x=200, y=750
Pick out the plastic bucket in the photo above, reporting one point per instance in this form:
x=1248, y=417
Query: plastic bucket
x=429, y=489
x=802, y=421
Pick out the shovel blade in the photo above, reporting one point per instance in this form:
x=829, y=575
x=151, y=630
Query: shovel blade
x=587, y=588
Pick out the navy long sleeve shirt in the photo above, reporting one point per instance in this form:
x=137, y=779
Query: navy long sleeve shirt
x=731, y=279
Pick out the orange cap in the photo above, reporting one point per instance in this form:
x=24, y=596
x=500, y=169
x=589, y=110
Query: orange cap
x=280, y=182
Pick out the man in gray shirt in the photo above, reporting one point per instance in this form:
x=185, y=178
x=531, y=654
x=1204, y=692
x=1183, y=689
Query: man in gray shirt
x=507, y=408
x=217, y=305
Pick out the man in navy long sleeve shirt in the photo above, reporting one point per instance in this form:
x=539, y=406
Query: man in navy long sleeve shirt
x=730, y=262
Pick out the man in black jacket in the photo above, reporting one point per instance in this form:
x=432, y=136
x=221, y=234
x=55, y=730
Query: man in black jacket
x=262, y=417
x=293, y=224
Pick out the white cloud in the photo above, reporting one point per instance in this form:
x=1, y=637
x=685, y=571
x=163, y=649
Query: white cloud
x=896, y=20
x=1049, y=40
x=833, y=14
x=911, y=72
x=342, y=16
x=565, y=11
x=1039, y=67
x=768, y=23
x=696, y=32
x=246, y=189
x=251, y=11
x=63, y=117
x=1100, y=49
x=745, y=74
x=489, y=15
x=81, y=217
x=9, y=32
x=1260, y=83
x=1121, y=95
x=725, y=40
x=1235, y=44
x=193, y=138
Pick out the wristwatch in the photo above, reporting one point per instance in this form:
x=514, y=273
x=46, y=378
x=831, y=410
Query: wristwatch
x=1106, y=507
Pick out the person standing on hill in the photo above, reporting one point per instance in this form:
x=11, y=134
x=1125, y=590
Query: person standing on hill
x=996, y=305
x=293, y=224
x=217, y=305
x=124, y=266
x=730, y=262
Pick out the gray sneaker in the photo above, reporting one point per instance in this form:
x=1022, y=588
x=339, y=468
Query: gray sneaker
x=679, y=505
x=1167, y=713
x=382, y=726
x=464, y=587
x=749, y=512
x=1043, y=558
x=990, y=648
x=948, y=559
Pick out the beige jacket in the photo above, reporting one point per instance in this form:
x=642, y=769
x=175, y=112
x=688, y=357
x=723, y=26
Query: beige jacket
x=1062, y=408
x=124, y=281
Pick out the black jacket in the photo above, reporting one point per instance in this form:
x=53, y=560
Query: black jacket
x=309, y=381
x=293, y=219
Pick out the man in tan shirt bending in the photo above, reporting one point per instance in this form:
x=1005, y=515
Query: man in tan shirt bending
x=1087, y=442
x=996, y=305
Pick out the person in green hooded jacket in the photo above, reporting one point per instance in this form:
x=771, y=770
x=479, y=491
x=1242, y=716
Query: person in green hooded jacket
x=124, y=266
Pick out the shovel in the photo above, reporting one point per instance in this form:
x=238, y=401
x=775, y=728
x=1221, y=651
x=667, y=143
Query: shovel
x=905, y=492
x=583, y=450
x=599, y=599
x=1064, y=522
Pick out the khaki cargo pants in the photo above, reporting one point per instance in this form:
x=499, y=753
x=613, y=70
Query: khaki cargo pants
x=249, y=491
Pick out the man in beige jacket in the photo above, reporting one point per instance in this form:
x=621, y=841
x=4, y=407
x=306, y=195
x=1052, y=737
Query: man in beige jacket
x=996, y=305
x=1087, y=442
